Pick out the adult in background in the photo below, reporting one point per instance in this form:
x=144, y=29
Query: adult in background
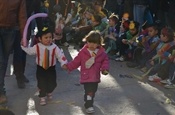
x=19, y=56
x=139, y=10
x=12, y=19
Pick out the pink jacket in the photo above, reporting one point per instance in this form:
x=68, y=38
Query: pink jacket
x=93, y=73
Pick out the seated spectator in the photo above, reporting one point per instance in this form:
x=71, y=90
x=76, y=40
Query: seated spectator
x=112, y=34
x=126, y=45
x=96, y=24
x=165, y=54
x=146, y=47
x=170, y=81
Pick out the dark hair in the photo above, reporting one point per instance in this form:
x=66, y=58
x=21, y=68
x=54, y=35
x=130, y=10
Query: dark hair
x=114, y=17
x=134, y=24
x=97, y=18
x=153, y=26
x=43, y=31
x=167, y=31
x=6, y=112
x=105, y=11
x=94, y=37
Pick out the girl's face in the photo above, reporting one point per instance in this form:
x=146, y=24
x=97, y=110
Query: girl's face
x=163, y=38
x=46, y=39
x=92, y=46
x=152, y=32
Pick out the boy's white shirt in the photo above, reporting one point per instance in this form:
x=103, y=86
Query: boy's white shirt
x=58, y=53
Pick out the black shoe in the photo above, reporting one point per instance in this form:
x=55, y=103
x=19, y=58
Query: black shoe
x=26, y=80
x=21, y=84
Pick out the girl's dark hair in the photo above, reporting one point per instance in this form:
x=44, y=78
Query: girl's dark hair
x=43, y=31
x=94, y=37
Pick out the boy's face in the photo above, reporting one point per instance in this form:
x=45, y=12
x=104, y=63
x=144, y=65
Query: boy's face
x=46, y=39
x=111, y=22
x=152, y=32
x=133, y=31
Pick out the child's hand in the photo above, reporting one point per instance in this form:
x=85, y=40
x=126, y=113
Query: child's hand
x=65, y=67
x=105, y=72
x=124, y=41
x=151, y=62
x=144, y=39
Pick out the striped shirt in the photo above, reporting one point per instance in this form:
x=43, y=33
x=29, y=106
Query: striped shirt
x=39, y=49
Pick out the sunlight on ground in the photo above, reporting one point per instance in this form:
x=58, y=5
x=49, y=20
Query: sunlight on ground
x=76, y=110
x=11, y=69
x=31, y=107
x=108, y=81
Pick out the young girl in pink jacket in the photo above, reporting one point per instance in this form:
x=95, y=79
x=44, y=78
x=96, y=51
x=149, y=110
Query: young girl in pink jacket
x=92, y=59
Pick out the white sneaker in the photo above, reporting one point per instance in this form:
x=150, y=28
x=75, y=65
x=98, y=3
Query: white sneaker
x=90, y=110
x=165, y=81
x=65, y=44
x=154, y=78
x=120, y=59
x=170, y=86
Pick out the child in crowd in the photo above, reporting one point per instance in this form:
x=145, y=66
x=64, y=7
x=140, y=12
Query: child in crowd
x=170, y=81
x=126, y=45
x=146, y=47
x=92, y=59
x=112, y=34
x=160, y=63
x=46, y=53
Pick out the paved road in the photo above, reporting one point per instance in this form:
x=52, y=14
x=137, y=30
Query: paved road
x=115, y=96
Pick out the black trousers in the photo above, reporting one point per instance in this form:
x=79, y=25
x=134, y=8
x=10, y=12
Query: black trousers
x=46, y=80
x=89, y=94
x=19, y=59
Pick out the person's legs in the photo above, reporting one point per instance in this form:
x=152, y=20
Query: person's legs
x=138, y=13
x=172, y=73
x=90, y=90
x=51, y=80
x=42, y=81
x=19, y=61
x=7, y=37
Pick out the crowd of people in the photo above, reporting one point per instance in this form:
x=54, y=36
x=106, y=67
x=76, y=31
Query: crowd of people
x=124, y=30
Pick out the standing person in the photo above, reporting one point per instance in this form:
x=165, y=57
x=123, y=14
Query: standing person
x=19, y=56
x=139, y=7
x=12, y=19
x=92, y=59
x=46, y=54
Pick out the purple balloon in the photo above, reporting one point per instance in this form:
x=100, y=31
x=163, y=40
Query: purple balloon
x=27, y=25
